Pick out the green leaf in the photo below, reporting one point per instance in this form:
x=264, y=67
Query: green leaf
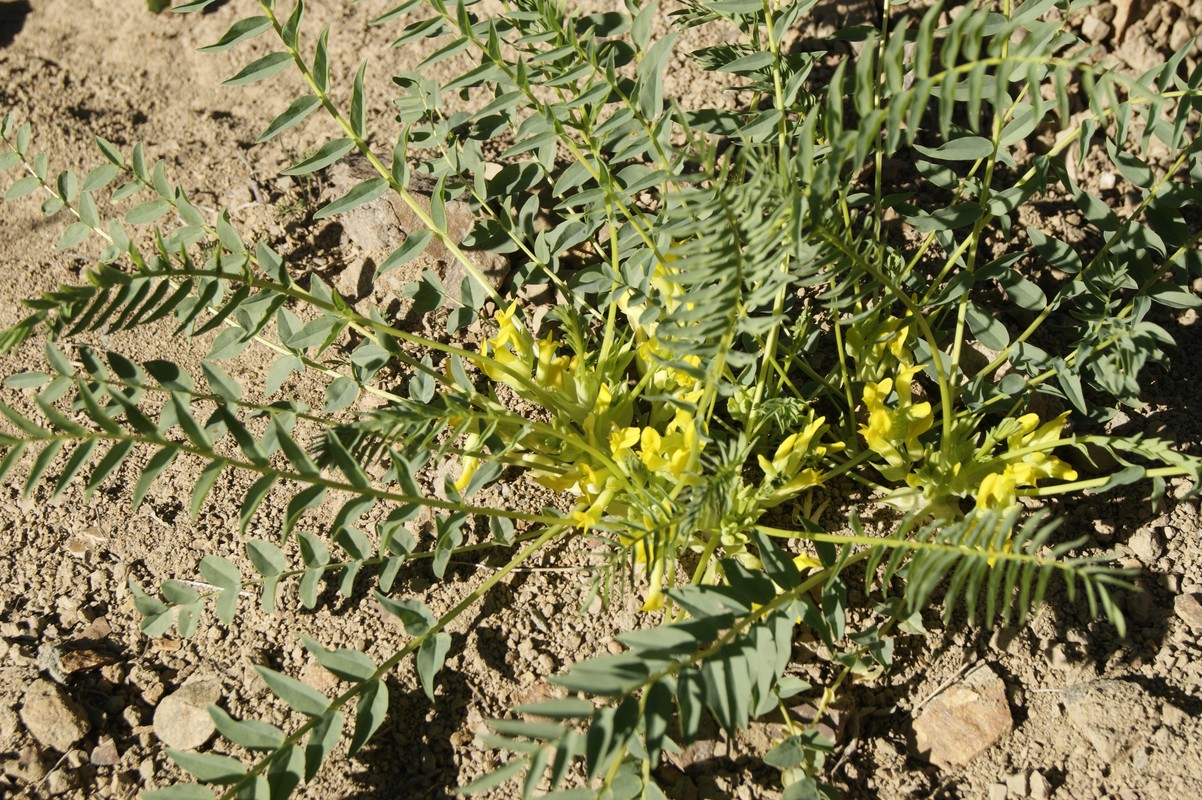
x=302, y=698
x=341, y=393
x=291, y=29
x=158, y=462
x=966, y=148
x=350, y=665
x=100, y=177
x=78, y=460
x=567, y=708
x=410, y=249
x=220, y=382
x=251, y=734
x=657, y=712
x=358, y=104
x=239, y=32
x=322, y=739
x=328, y=154
x=690, y=697
x=267, y=558
x=413, y=614
x=192, y=6
x=362, y=193
x=370, y=711
x=147, y=212
x=27, y=380
x=220, y=572
x=208, y=767
x=280, y=372
x=254, y=498
x=261, y=68
x=112, y=459
x=22, y=187
x=430, y=658
x=293, y=114
x=321, y=61
x=76, y=233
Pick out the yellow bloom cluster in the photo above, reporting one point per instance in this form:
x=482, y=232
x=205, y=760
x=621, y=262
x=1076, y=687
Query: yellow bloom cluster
x=892, y=431
x=785, y=472
x=1026, y=462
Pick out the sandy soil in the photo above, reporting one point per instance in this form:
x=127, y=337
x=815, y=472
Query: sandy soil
x=1094, y=716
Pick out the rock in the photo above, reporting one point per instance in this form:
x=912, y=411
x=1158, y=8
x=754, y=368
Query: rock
x=1146, y=545
x=27, y=767
x=997, y=791
x=1016, y=784
x=59, y=782
x=1109, y=715
x=8, y=728
x=181, y=719
x=53, y=717
x=1094, y=29
x=105, y=754
x=1189, y=610
x=1180, y=34
x=964, y=720
x=380, y=226
x=1039, y=787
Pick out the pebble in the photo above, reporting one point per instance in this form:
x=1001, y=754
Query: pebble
x=53, y=717
x=181, y=719
x=8, y=728
x=1039, y=787
x=58, y=782
x=964, y=720
x=1188, y=610
x=105, y=753
x=1016, y=784
x=997, y=791
x=1094, y=29
x=1146, y=545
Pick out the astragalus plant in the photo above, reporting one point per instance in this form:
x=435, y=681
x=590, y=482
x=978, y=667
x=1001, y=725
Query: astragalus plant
x=799, y=345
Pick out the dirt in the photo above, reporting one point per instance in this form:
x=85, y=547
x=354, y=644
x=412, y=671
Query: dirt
x=1093, y=715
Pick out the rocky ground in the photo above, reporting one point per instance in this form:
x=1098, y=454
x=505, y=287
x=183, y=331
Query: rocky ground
x=1060, y=708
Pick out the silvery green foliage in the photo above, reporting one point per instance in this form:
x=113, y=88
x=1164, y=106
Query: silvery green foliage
x=773, y=219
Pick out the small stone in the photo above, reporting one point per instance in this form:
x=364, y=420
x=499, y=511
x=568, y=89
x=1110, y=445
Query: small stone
x=1016, y=784
x=181, y=719
x=8, y=728
x=58, y=783
x=1107, y=181
x=1058, y=657
x=1094, y=29
x=53, y=717
x=997, y=791
x=964, y=720
x=146, y=770
x=27, y=767
x=1146, y=545
x=1189, y=610
x=1180, y=35
x=105, y=753
x=1039, y=787
x=1108, y=715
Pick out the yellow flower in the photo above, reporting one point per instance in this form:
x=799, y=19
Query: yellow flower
x=622, y=442
x=1025, y=463
x=893, y=432
x=510, y=350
